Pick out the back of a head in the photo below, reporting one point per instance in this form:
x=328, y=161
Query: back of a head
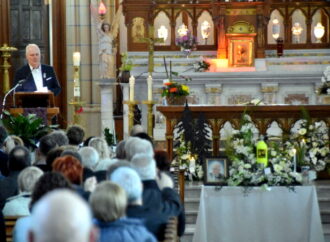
x=135, y=145
x=75, y=134
x=162, y=161
x=116, y=165
x=70, y=167
x=3, y=135
x=52, y=155
x=108, y=201
x=129, y=180
x=12, y=141
x=145, y=136
x=59, y=136
x=137, y=128
x=101, y=146
x=89, y=156
x=61, y=216
x=19, y=158
x=120, y=150
x=145, y=166
x=47, y=183
x=46, y=143
x=75, y=154
x=28, y=177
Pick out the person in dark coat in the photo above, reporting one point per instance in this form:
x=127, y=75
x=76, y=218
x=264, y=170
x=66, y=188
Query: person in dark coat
x=4, y=171
x=35, y=76
x=130, y=181
x=19, y=158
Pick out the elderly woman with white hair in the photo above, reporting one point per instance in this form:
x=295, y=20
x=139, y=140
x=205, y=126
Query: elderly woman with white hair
x=104, y=153
x=19, y=205
x=135, y=145
x=130, y=181
x=108, y=202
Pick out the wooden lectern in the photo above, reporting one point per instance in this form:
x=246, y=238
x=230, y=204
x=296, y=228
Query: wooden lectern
x=45, y=100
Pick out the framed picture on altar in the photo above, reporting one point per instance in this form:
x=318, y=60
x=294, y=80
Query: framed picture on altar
x=215, y=170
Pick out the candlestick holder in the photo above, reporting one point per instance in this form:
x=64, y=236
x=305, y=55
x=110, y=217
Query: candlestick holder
x=150, y=105
x=6, y=54
x=131, y=105
x=76, y=101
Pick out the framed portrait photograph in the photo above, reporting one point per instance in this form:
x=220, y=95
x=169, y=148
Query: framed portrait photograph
x=215, y=170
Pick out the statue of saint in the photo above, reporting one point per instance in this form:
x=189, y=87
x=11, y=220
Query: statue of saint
x=107, y=34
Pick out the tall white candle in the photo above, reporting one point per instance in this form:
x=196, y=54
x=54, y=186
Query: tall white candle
x=149, y=82
x=131, y=88
x=294, y=160
x=76, y=59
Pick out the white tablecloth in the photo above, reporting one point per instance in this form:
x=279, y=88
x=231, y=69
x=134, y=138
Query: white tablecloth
x=278, y=215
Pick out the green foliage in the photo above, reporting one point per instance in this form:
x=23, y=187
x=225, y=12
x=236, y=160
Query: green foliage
x=126, y=63
x=29, y=128
x=109, y=137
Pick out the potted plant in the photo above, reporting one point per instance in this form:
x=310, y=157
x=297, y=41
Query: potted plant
x=125, y=68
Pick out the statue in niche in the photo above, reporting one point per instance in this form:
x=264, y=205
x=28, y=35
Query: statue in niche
x=107, y=34
x=138, y=29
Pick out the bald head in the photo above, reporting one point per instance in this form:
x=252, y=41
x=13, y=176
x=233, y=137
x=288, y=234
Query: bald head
x=61, y=216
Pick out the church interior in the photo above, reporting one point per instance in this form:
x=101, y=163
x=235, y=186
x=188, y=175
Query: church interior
x=114, y=60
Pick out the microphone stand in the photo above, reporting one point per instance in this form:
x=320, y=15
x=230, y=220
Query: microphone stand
x=5, y=98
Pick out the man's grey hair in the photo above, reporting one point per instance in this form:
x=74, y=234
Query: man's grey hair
x=135, y=145
x=61, y=216
x=30, y=46
x=89, y=157
x=130, y=181
x=59, y=136
x=28, y=177
x=145, y=166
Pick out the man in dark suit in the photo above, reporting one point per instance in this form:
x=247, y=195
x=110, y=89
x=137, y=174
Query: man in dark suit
x=35, y=76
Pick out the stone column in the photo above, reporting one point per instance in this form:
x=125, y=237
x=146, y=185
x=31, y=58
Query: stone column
x=107, y=87
x=269, y=91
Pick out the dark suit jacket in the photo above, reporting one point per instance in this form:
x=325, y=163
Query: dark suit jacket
x=48, y=76
x=164, y=201
x=8, y=187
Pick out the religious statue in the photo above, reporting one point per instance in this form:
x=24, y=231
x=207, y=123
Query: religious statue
x=107, y=34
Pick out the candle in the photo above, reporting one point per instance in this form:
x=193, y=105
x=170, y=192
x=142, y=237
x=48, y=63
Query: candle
x=294, y=160
x=131, y=88
x=149, y=82
x=76, y=59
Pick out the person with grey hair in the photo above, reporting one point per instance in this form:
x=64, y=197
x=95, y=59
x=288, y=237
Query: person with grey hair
x=108, y=202
x=137, y=128
x=135, y=145
x=62, y=216
x=102, y=148
x=89, y=157
x=60, y=138
x=35, y=76
x=165, y=200
x=19, y=205
x=130, y=181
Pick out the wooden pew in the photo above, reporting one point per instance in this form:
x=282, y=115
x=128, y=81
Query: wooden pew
x=10, y=222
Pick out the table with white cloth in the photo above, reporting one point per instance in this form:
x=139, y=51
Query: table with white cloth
x=237, y=214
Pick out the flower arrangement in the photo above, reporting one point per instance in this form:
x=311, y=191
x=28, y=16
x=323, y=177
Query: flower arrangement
x=174, y=89
x=202, y=66
x=187, y=42
x=244, y=169
x=325, y=88
x=312, y=145
x=187, y=161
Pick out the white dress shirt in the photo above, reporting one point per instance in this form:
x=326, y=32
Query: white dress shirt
x=37, y=76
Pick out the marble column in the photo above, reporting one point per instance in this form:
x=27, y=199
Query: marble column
x=107, y=89
x=125, y=88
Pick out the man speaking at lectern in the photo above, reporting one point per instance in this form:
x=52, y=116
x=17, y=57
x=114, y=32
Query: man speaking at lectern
x=36, y=77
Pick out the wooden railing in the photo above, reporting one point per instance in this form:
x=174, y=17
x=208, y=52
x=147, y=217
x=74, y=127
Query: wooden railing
x=262, y=116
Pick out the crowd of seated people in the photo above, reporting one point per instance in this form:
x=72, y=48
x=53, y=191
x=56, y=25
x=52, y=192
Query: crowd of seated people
x=120, y=198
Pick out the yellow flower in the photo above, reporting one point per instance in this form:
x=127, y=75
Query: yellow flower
x=185, y=88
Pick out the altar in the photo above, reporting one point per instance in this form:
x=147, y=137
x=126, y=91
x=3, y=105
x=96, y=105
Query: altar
x=257, y=215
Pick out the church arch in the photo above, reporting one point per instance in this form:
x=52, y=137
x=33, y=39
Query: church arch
x=298, y=24
x=274, y=28
x=205, y=16
x=162, y=21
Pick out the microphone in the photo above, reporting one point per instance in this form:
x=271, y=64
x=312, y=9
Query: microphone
x=20, y=82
